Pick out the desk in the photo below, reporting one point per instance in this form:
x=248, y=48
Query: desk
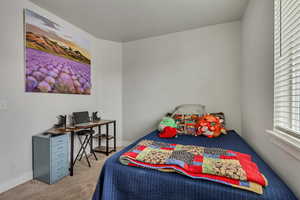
x=106, y=149
x=72, y=130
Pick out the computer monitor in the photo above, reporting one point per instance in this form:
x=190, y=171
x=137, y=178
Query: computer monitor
x=81, y=117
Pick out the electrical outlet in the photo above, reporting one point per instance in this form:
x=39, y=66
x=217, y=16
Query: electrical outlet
x=3, y=105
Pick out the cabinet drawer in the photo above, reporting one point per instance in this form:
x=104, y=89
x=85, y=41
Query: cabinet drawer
x=59, y=149
x=59, y=163
x=60, y=170
x=60, y=138
x=59, y=155
x=58, y=174
x=58, y=145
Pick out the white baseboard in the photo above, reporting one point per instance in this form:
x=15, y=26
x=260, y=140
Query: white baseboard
x=15, y=181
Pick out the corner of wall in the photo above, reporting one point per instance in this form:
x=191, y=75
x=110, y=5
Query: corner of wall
x=16, y=181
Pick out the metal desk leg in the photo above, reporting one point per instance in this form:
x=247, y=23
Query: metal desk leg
x=107, y=129
x=72, y=153
x=99, y=138
x=115, y=145
x=91, y=141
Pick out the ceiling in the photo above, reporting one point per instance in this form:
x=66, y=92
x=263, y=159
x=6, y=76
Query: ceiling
x=127, y=20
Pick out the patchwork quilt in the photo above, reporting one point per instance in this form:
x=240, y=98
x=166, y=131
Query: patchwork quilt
x=213, y=164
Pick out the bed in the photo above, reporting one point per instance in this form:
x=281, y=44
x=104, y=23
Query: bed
x=118, y=182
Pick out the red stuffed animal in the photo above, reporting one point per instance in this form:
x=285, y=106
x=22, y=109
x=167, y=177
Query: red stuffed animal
x=168, y=132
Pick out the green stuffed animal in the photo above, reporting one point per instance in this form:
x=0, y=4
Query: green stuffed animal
x=166, y=121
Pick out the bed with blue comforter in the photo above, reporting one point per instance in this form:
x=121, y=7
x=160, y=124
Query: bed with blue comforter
x=120, y=182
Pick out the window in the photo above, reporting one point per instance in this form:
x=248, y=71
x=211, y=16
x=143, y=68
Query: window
x=287, y=66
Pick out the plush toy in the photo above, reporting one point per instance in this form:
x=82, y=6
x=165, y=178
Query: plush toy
x=168, y=132
x=167, y=127
x=210, y=126
x=166, y=122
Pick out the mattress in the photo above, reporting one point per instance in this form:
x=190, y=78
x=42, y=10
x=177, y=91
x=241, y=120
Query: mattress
x=118, y=182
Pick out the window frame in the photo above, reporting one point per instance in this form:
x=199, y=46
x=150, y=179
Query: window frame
x=292, y=124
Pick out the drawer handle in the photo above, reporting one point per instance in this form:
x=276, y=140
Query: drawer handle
x=60, y=158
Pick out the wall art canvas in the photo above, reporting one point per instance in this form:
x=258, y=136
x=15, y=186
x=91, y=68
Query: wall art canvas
x=57, y=57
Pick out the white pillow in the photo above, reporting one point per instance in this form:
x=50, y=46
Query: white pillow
x=190, y=109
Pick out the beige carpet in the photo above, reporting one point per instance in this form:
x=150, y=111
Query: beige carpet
x=79, y=187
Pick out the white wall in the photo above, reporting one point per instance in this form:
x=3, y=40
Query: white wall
x=109, y=82
x=195, y=66
x=32, y=113
x=257, y=90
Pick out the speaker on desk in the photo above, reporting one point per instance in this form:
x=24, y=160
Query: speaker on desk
x=95, y=117
x=62, y=122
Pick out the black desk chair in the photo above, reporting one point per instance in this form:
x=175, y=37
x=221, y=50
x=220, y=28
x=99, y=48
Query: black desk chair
x=81, y=118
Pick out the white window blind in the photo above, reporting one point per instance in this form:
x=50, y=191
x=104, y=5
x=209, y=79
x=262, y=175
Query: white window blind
x=287, y=66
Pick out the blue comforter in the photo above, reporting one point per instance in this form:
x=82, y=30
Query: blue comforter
x=118, y=182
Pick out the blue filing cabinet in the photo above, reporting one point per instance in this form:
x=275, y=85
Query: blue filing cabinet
x=50, y=157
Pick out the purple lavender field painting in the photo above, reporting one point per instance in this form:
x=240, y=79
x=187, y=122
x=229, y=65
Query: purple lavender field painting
x=56, y=60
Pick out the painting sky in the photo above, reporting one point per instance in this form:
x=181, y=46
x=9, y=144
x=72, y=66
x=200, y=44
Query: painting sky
x=65, y=32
